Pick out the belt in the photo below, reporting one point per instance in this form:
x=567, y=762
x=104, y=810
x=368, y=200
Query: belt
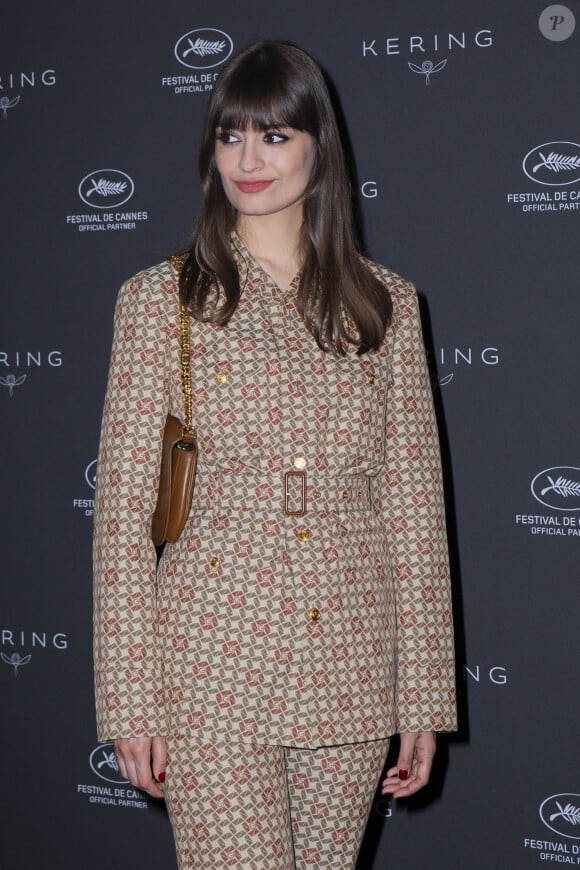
x=291, y=492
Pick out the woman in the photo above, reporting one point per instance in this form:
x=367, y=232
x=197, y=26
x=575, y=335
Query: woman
x=254, y=676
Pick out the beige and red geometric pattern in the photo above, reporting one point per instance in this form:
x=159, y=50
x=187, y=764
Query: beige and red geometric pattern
x=269, y=808
x=329, y=626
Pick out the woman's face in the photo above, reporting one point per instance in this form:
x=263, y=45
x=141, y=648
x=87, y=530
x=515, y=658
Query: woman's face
x=264, y=172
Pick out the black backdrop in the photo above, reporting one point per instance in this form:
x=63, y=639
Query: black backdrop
x=463, y=126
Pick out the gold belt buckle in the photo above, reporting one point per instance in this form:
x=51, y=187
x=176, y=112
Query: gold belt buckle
x=302, y=476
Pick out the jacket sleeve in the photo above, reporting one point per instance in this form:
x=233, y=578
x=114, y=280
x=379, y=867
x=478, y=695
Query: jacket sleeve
x=128, y=686
x=414, y=509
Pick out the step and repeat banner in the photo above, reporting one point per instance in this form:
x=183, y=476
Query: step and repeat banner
x=462, y=126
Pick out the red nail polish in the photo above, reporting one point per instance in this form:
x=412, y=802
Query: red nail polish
x=403, y=774
x=161, y=777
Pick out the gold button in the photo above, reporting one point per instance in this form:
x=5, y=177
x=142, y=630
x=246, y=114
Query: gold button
x=345, y=493
x=299, y=462
x=314, y=614
x=214, y=561
x=371, y=379
x=379, y=563
x=316, y=493
x=304, y=535
x=221, y=378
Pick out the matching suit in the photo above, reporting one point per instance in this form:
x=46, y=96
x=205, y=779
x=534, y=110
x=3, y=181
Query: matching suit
x=306, y=604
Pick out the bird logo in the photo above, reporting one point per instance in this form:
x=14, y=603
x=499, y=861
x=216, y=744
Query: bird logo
x=15, y=661
x=12, y=381
x=427, y=69
x=6, y=103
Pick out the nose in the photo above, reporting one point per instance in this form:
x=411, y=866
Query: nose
x=250, y=155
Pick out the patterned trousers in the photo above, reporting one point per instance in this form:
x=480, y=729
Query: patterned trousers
x=270, y=807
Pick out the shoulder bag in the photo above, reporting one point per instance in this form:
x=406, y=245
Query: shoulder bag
x=179, y=454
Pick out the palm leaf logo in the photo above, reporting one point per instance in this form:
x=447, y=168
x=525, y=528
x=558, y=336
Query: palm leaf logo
x=102, y=187
x=203, y=47
x=570, y=813
x=557, y=162
x=562, y=486
x=109, y=759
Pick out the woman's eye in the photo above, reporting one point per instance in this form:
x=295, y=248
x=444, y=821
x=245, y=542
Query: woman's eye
x=274, y=138
x=226, y=137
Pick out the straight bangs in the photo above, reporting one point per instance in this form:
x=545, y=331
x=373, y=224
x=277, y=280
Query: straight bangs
x=259, y=106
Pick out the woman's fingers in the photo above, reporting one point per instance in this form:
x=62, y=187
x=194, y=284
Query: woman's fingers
x=413, y=767
x=134, y=757
x=159, y=758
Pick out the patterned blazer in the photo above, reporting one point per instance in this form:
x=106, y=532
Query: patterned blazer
x=307, y=601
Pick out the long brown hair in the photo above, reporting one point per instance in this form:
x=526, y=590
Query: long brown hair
x=277, y=84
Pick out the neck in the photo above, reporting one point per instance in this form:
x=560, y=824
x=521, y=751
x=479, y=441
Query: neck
x=273, y=238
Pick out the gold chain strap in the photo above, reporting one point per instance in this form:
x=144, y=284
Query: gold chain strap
x=185, y=355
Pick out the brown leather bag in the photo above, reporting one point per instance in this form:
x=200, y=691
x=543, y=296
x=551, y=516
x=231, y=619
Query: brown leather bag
x=179, y=453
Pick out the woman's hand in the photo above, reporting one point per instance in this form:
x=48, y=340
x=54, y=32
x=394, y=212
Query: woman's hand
x=415, y=760
x=142, y=761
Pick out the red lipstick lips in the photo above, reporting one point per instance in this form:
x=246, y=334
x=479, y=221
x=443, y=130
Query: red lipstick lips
x=252, y=186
